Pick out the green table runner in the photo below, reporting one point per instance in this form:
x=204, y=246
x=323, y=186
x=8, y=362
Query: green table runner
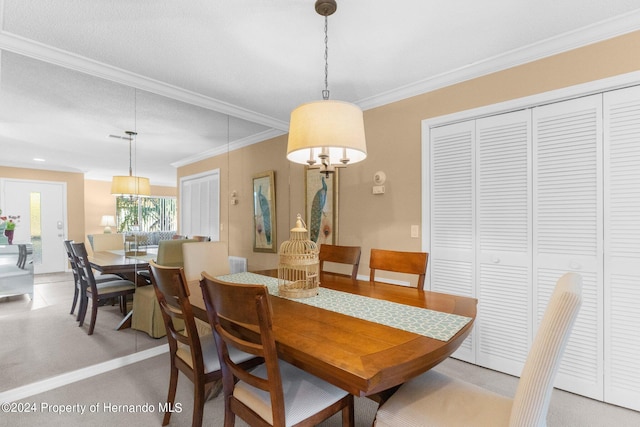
x=422, y=321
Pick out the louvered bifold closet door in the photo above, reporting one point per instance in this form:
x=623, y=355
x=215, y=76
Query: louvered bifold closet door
x=568, y=230
x=622, y=247
x=452, y=215
x=503, y=191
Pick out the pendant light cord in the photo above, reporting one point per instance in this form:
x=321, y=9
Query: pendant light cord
x=325, y=92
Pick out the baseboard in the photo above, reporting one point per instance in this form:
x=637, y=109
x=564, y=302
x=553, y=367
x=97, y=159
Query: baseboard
x=38, y=387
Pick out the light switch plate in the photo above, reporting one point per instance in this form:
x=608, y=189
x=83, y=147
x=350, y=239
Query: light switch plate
x=415, y=231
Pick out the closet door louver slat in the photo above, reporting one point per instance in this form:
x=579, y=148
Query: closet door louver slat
x=452, y=221
x=567, y=228
x=622, y=247
x=503, y=189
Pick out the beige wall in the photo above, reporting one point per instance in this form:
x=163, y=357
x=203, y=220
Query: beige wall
x=394, y=146
x=75, y=193
x=87, y=200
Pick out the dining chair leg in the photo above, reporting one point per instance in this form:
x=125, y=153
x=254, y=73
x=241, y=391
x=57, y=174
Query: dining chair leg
x=198, y=403
x=229, y=416
x=94, y=315
x=171, y=397
x=75, y=300
x=123, y=305
x=82, y=311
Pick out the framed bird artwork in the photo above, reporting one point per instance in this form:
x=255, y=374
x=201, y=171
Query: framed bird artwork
x=264, y=212
x=321, y=206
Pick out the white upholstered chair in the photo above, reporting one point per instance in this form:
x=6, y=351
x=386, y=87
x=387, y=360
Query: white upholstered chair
x=107, y=242
x=434, y=399
x=211, y=257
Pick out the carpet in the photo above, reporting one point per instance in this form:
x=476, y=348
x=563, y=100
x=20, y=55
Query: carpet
x=42, y=343
x=132, y=396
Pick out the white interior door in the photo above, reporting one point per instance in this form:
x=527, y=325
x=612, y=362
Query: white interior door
x=200, y=205
x=503, y=206
x=42, y=210
x=452, y=182
x=568, y=228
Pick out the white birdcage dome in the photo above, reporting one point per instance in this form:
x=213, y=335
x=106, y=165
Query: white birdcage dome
x=298, y=265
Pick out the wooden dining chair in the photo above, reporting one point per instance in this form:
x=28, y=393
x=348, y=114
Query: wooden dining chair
x=436, y=399
x=275, y=393
x=196, y=357
x=399, y=262
x=97, y=293
x=77, y=285
x=342, y=255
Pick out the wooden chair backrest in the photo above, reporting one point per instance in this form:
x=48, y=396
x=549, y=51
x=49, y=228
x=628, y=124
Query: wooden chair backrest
x=341, y=254
x=72, y=259
x=399, y=262
x=240, y=315
x=172, y=292
x=85, y=272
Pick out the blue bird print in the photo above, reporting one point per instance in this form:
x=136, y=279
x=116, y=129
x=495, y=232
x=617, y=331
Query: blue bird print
x=319, y=200
x=266, y=214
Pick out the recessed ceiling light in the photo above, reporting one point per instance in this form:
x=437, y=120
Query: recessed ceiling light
x=36, y=159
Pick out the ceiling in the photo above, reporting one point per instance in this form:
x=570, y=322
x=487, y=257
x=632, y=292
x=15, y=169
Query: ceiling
x=198, y=78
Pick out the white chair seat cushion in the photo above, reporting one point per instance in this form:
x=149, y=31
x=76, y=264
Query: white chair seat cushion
x=113, y=286
x=210, y=354
x=106, y=277
x=434, y=399
x=304, y=394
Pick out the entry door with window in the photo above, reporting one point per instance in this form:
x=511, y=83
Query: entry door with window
x=42, y=210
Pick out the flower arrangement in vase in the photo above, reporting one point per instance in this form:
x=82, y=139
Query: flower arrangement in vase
x=9, y=223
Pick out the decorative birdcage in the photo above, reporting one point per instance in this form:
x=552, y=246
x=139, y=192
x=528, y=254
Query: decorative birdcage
x=298, y=265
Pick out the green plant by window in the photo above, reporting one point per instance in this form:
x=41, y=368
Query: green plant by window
x=146, y=214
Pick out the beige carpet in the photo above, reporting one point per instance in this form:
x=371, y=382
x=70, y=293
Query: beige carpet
x=41, y=343
x=143, y=383
x=146, y=383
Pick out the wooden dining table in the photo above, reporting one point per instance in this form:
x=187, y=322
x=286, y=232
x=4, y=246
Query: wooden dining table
x=363, y=357
x=117, y=262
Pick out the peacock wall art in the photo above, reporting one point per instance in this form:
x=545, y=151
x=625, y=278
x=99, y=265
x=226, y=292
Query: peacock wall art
x=264, y=212
x=320, y=207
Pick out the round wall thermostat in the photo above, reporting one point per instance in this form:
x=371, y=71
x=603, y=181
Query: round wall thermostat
x=379, y=178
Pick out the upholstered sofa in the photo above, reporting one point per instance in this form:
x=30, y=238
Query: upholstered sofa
x=143, y=238
x=151, y=238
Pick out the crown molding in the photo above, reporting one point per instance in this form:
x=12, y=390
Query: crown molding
x=584, y=36
x=232, y=146
x=32, y=49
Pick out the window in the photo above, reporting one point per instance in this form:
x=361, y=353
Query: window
x=146, y=214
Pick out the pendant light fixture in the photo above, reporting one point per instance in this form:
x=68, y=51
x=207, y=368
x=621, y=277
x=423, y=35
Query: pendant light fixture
x=130, y=185
x=326, y=134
